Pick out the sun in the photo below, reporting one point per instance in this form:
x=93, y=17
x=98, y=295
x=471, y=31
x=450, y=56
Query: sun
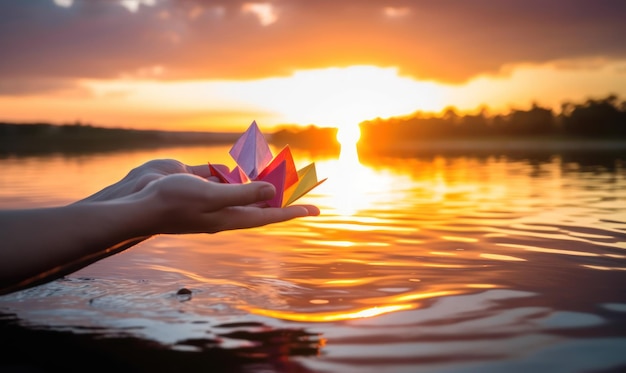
x=348, y=135
x=336, y=97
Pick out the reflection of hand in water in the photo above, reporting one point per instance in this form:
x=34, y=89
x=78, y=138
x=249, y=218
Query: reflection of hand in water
x=160, y=196
x=271, y=348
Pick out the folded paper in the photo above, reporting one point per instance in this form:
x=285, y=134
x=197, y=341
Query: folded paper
x=255, y=161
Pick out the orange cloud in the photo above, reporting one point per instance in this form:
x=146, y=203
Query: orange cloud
x=448, y=40
x=396, y=12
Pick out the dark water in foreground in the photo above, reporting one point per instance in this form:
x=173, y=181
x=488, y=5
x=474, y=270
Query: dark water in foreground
x=417, y=264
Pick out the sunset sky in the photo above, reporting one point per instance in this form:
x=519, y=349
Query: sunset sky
x=218, y=65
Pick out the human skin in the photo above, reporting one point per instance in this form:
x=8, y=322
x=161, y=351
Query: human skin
x=159, y=197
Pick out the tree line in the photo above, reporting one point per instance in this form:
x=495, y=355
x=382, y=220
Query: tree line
x=79, y=137
x=603, y=118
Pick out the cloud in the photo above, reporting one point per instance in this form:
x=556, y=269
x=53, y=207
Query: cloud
x=64, y=3
x=27, y=87
x=133, y=5
x=396, y=12
x=445, y=40
x=265, y=12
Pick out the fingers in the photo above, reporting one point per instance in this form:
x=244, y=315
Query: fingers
x=239, y=194
x=162, y=166
x=254, y=194
x=202, y=170
x=311, y=210
x=205, y=206
x=250, y=217
x=205, y=171
x=144, y=180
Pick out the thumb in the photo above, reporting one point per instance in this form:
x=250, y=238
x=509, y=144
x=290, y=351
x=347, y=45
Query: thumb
x=224, y=195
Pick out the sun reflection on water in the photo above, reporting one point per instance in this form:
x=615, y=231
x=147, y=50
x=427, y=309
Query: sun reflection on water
x=353, y=188
x=387, y=305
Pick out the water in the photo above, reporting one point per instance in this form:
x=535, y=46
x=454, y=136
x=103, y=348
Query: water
x=429, y=263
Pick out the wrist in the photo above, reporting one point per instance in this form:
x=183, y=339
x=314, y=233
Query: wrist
x=135, y=218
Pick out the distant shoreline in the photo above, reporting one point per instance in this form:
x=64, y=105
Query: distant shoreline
x=560, y=144
x=45, y=138
x=38, y=138
x=41, y=138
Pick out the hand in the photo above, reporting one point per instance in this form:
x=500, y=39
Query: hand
x=187, y=199
x=140, y=176
x=161, y=196
x=184, y=203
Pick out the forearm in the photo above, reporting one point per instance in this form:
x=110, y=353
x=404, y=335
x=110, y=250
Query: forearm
x=42, y=244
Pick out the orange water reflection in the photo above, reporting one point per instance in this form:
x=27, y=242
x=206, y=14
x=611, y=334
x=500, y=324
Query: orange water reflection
x=352, y=188
x=394, y=234
x=330, y=316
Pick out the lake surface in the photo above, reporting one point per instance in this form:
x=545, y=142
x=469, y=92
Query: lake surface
x=424, y=263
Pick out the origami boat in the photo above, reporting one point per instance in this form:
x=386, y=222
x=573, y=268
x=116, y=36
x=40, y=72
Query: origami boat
x=255, y=162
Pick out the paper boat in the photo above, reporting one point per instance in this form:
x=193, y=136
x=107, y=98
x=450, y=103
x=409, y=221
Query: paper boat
x=255, y=162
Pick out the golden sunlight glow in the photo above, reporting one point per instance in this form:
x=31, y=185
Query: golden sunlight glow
x=459, y=239
x=548, y=250
x=501, y=257
x=342, y=96
x=348, y=136
x=421, y=295
x=330, y=316
x=394, y=304
x=603, y=268
x=331, y=97
x=353, y=187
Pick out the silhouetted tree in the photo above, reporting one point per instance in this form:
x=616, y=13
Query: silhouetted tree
x=604, y=118
x=596, y=118
x=533, y=122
